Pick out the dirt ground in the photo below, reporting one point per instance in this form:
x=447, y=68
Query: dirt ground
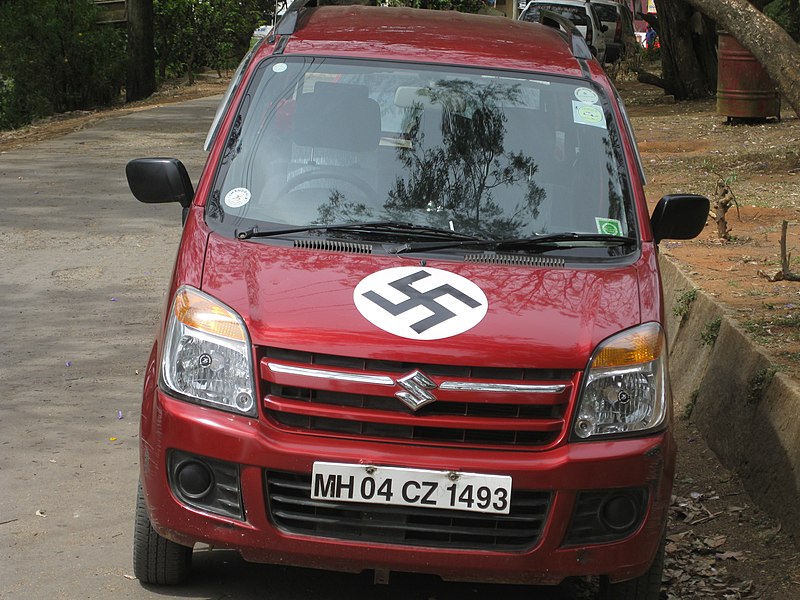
x=720, y=545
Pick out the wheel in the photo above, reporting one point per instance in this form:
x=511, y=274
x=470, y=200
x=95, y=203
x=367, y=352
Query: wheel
x=156, y=559
x=362, y=186
x=644, y=587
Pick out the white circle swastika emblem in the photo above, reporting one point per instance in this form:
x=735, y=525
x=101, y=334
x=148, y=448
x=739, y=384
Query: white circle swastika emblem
x=420, y=303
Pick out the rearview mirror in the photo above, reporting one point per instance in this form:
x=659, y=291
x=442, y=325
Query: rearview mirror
x=159, y=180
x=679, y=217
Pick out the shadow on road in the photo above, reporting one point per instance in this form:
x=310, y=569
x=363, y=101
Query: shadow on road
x=223, y=574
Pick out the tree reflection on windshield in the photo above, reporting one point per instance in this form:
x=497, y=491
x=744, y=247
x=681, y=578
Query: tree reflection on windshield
x=456, y=171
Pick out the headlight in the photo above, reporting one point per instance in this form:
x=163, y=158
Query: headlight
x=626, y=385
x=207, y=356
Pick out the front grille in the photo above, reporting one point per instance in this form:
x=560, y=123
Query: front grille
x=339, y=396
x=292, y=510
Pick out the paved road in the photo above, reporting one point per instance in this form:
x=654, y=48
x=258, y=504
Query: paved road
x=84, y=268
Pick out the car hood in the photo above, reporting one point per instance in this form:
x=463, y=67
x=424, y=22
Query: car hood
x=367, y=306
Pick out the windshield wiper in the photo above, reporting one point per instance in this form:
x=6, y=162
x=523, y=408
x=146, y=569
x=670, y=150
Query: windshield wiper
x=384, y=227
x=539, y=243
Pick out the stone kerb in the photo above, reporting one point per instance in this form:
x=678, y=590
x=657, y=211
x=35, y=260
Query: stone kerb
x=747, y=412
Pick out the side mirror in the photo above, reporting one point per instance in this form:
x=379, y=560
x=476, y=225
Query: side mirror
x=679, y=217
x=159, y=180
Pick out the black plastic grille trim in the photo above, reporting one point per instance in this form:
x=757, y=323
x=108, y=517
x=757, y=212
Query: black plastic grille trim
x=291, y=508
x=420, y=433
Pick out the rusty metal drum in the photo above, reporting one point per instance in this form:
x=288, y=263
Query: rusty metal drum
x=744, y=90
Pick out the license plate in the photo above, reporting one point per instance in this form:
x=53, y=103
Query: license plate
x=452, y=490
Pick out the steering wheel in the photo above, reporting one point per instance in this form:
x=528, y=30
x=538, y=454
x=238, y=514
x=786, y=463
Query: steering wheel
x=365, y=188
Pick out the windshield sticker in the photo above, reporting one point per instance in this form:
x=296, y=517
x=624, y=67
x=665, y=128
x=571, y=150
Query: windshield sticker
x=279, y=67
x=237, y=197
x=608, y=226
x=586, y=95
x=588, y=114
x=420, y=303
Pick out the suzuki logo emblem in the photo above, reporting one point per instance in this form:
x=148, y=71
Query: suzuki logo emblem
x=416, y=385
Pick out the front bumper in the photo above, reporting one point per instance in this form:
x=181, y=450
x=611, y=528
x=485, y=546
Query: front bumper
x=255, y=448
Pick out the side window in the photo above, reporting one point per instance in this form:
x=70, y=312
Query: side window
x=629, y=130
x=229, y=93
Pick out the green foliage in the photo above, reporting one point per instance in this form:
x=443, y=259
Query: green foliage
x=191, y=34
x=683, y=303
x=689, y=408
x=54, y=57
x=758, y=384
x=467, y=6
x=710, y=332
x=785, y=13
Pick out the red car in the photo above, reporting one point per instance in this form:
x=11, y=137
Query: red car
x=415, y=321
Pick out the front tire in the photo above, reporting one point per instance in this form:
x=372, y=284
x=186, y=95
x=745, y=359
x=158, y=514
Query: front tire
x=644, y=587
x=156, y=559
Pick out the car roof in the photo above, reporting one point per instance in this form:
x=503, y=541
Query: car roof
x=582, y=3
x=572, y=2
x=427, y=36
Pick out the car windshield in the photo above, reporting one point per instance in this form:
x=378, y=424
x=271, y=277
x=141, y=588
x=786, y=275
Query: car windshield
x=488, y=154
x=576, y=14
x=606, y=13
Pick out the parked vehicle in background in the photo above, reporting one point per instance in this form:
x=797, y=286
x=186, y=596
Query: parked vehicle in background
x=415, y=322
x=618, y=34
x=581, y=13
x=262, y=31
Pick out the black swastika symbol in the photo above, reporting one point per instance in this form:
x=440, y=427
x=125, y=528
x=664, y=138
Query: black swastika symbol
x=426, y=299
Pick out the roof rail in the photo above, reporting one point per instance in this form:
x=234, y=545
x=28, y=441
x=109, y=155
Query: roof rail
x=288, y=23
x=577, y=43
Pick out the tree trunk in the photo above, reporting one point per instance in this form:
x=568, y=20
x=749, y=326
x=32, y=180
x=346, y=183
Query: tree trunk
x=771, y=46
x=688, y=54
x=141, y=80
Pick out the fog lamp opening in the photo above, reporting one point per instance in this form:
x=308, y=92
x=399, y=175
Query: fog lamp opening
x=194, y=479
x=619, y=513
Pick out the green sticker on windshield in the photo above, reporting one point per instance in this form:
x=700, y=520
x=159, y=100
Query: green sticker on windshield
x=608, y=226
x=588, y=114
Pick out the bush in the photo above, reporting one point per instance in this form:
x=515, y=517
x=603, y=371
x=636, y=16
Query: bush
x=191, y=34
x=54, y=57
x=786, y=14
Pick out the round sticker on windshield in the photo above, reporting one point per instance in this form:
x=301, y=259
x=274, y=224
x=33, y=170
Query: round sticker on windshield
x=420, y=303
x=584, y=94
x=590, y=114
x=237, y=197
x=279, y=67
